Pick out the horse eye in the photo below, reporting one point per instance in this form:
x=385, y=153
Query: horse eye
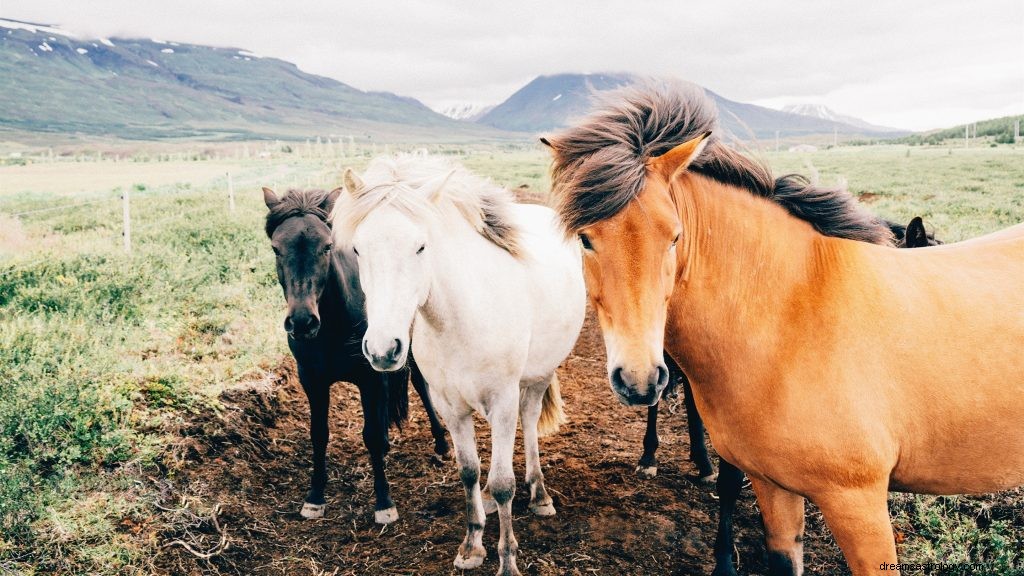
x=585, y=240
x=422, y=248
x=356, y=251
x=328, y=248
x=675, y=241
x=276, y=251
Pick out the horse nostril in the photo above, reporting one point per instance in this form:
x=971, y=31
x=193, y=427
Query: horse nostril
x=617, y=378
x=662, y=377
x=289, y=326
x=396, y=350
x=366, y=350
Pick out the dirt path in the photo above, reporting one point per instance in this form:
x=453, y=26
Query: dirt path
x=254, y=462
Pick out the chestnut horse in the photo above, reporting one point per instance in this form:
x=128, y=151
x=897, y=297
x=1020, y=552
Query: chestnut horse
x=790, y=323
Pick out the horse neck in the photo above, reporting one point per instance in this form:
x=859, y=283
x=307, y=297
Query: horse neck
x=744, y=267
x=335, y=299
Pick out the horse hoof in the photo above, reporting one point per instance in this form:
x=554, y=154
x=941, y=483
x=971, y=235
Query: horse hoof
x=312, y=511
x=543, y=510
x=386, y=516
x=475, y=559
x=439, y=460
x=490, y=505
x=708, y=480
x=646, y=472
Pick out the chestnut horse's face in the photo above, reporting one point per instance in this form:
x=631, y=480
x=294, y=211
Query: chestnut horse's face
x=630, y=264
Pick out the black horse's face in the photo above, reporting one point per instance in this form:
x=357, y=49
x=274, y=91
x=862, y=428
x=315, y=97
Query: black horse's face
x=302, y=249
x=302, y=246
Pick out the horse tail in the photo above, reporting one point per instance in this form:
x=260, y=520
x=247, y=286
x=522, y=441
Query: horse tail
x=398, y=397
x=551, y=414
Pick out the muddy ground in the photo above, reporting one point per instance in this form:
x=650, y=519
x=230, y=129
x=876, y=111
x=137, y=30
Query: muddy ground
x=232, y=507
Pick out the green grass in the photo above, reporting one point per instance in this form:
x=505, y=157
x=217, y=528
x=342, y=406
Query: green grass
x=102, y=353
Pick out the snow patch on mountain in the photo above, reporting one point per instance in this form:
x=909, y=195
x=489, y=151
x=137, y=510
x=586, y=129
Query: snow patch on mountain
x=468, y=111
x=817, y=110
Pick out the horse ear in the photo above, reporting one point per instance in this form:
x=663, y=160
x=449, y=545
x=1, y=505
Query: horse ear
x=353, y=183
x=671, y=163
x=328, y=203
x=435, y=186
x=916, y=236
x=269, y=198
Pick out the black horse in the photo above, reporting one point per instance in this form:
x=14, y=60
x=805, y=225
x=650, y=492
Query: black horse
x=730, y=479
x=325, y=326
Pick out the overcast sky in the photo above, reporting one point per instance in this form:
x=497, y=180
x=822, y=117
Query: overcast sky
x=914, y=64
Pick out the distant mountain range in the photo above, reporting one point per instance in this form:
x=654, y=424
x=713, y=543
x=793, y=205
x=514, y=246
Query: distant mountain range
x=826, y=113
x=55, y=81
x=550, y=102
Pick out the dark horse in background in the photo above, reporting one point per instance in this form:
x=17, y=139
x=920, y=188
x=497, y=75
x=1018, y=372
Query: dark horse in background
x=730, y=478
x=325, y=326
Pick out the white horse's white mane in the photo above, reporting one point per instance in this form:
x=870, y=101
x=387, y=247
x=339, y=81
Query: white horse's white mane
x=424, y=186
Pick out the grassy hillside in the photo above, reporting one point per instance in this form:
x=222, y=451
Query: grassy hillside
x=996, y=130
x=136, y=88
x=103, y=355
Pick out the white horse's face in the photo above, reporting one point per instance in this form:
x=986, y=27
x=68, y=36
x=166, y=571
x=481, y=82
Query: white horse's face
x=394, y=270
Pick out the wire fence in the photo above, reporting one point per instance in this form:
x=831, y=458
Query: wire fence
x=129, y=201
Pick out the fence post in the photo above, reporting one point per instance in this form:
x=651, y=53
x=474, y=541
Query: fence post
x=231, y=194
x=126, y=211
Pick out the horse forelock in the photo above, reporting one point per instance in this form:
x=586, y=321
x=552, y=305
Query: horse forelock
x=399, y=181
x=297, y=203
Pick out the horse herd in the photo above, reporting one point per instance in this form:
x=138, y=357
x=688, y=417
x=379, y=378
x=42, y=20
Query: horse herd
x=781, y=308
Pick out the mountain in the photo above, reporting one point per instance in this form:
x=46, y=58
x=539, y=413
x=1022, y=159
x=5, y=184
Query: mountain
x=467, y=111
x=826, y=113
x=550, y=102
x=56, y=81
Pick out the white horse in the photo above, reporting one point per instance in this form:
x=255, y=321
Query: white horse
x=494, y=298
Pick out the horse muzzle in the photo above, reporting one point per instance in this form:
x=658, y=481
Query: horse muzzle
x=387, y=356
x=633, y=389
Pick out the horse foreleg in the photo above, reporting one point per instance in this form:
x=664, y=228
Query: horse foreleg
x=460, y=426
x=695, y=428
x=783, y=515
x=441, y=450
x=730, y=483
x=318, y=393
x=501, y=479
x=648, y=465
x=529, y=411
x=375, y=437
x=859, y=520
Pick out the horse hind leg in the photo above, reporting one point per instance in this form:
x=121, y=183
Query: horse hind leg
x=730, y=483
x=695, y=430
x=530, y=403
x=648, y=465
x=442, y=452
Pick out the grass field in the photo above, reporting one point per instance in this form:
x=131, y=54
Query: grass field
x=104, y=354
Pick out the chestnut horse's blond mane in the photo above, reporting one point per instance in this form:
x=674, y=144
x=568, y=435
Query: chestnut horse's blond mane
x=600, y=164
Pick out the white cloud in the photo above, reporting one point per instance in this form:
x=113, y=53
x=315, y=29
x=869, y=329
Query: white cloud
x=914, y=63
